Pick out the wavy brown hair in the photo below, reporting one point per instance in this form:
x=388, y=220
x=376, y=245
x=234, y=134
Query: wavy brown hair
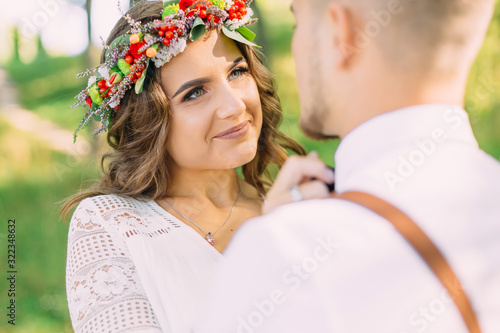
x=139, y=165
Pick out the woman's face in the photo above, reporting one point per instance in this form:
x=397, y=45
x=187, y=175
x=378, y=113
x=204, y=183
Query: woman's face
x=215, y=105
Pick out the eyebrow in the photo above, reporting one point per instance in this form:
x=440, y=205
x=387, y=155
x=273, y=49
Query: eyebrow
x=204, y=80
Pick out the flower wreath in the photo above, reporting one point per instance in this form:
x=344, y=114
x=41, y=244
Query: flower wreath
x=128, y=57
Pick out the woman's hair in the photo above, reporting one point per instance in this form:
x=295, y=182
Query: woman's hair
x=139, y=165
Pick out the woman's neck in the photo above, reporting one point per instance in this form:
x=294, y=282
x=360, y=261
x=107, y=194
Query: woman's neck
x=217, y=186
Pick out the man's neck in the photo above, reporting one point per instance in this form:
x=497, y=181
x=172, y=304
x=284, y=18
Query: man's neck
x=386, y=98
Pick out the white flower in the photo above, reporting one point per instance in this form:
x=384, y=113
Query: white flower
x=114, y=103
x=165, y=54
x=179, y=47
x=92, y=80
x=104, y=71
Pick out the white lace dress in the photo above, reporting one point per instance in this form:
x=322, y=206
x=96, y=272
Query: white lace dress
x=133, y=267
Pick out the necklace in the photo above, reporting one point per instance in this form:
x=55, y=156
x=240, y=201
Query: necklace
x=208, y=235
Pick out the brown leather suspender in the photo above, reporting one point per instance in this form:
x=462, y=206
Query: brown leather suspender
x=424, y=246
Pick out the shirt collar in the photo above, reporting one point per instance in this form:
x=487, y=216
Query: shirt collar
x=397, y=129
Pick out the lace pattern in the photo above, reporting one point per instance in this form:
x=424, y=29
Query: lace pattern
x=103, y=288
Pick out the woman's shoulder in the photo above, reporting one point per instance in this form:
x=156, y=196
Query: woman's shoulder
x=107, y=203
x=117, y=212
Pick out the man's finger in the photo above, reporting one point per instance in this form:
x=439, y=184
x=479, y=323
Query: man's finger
x=297, y=168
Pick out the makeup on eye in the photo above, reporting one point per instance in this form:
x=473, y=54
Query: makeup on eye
x=241, y=70
x=192, y=95
x=204, y=80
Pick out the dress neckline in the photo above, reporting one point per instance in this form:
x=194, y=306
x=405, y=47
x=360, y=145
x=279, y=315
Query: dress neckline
x=165, y=213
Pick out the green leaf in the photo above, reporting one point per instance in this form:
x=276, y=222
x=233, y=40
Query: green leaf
x=171, y=9
x=247, y=33
x=140, y=83
x=237, y=36
x=198, y=29
x=170, y=3
x=219, y=3
x=125, y=40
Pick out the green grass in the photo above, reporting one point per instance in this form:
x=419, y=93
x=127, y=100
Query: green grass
x=30, y=184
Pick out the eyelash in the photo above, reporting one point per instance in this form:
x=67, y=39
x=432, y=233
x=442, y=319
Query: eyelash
x=189, y=95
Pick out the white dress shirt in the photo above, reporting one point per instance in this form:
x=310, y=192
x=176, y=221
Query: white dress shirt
x=333, y=266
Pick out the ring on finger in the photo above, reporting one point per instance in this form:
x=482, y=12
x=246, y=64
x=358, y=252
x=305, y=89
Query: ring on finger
x=295, y=193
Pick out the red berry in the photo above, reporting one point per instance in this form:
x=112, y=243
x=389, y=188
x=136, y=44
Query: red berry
x=161, y=33
x=203, y=14
x=164, y=28
x=102, y=90
x=180, y=31
x=232, y=16
x=169, y=34
x=101, y=84
x=239, y=16
x=166, y=41
x=133, y=69
x=117, y=107
x=129, y=59
x=138, y=75
x=239, y=3
x=243, y=11
x=172, y=28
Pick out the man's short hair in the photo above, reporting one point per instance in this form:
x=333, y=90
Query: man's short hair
x=422, y=32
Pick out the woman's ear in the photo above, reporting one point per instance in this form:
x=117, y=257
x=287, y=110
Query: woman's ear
x=340, y=22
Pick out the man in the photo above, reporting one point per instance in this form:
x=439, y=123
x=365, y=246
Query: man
x=387, y=77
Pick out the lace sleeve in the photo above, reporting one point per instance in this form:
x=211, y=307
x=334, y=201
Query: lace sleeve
x=102, y=285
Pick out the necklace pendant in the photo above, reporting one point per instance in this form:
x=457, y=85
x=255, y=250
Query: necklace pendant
x=210, y=238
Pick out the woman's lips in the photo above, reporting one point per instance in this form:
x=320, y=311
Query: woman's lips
x=235, y=132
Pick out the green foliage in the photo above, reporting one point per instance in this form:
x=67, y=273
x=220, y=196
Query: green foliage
x=32, y=179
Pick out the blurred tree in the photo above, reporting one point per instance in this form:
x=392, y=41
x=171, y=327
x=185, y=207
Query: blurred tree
x=15, y=54
x=88, y=7
x=41, y=53
x=260, y=29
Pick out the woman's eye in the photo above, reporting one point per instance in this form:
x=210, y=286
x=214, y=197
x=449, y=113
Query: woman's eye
x=238, y=72
x=194, y=94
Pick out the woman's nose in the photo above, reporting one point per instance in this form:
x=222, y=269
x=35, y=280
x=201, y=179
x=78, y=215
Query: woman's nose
x=230, y=102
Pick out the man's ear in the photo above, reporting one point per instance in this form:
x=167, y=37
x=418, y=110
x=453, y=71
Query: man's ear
x=342, y=34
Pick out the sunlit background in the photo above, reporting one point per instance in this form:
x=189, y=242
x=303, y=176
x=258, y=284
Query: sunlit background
x=43, y=44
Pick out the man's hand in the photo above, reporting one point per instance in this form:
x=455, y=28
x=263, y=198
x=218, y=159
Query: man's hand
x=308, y=173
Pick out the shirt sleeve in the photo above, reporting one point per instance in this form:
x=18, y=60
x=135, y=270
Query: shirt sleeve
x=103, y=288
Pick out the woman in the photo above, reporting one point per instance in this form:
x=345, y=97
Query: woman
x=144, y=241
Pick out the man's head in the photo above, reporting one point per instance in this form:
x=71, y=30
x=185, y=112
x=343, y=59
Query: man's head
x=359, y=58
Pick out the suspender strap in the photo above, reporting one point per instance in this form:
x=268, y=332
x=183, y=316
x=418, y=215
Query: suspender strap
x=424, y=246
